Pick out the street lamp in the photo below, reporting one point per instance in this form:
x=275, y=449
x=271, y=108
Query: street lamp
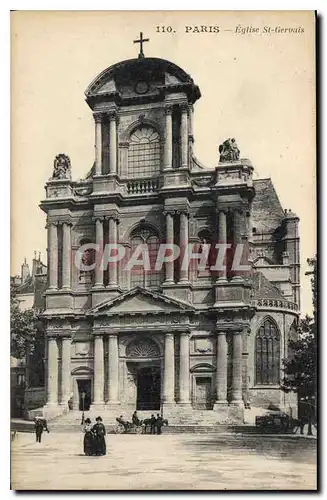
x=83, y=394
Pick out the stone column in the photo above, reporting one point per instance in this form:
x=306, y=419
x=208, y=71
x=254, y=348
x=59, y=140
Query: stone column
x=184, y=135
x=245, y=359
x=169, y=369
x=98, y=370
x=183, y=235
x=53, y=254
x=65, y=370
x=168, y=149
x=52, y=398
x=113, y=223
x=98, y=143
x=169, y=266
x=237, y=368
x=222, y=234
x=113, y=370
x=221, y=373
x=112, y=143
x=184, y=369
x=99, y=254
x=237, y=237
x=66, y=255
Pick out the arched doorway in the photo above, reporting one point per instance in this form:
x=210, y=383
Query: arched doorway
x=143, y=364
x=82, y=378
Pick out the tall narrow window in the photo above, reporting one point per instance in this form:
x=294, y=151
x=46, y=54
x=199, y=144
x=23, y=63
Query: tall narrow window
x=268, y=354
x=147, y=278
x=144, y=153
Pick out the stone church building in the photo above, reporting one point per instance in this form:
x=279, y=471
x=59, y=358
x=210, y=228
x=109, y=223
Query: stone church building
x=196, y=344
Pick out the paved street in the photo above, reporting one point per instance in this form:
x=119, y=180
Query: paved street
x=177, y=462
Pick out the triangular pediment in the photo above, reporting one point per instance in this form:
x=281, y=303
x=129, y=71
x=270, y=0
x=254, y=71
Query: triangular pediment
x=142, y=301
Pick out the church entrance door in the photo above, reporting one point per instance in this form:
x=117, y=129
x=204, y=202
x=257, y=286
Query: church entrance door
x=148, y=388
x=84, y=387
x=203, y=393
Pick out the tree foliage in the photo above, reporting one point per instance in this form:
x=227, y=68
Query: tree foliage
x=300, y=368
x=23, y=327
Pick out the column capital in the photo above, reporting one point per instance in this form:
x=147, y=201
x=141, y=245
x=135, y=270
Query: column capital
x=169, y=212
x=112, y=115
x=96, y=218
x=112, y=216
x=113, y=334
x=184, y=107
x=183, y=211
x=52, y=223
x=168, y=109
x=98, y=117
x=64, y=222
x=185, y=333
x=169, y=335
x=98, y=335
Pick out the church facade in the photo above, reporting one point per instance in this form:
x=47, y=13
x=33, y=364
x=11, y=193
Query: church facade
x=187, y=341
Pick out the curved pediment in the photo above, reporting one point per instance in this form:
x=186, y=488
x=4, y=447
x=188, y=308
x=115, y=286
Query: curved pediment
x=141, y=300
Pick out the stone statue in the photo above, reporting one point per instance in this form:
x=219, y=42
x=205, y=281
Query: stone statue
x=61, y=167
x=229, y=151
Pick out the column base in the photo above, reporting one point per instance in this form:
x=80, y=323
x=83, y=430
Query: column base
x=168, y=282
x=183, y=281
x=237, y=278
x=184, y=404
x=222, y=279
x=97, y=406
x=110, y=405
x=237, y=402
x=98, y=286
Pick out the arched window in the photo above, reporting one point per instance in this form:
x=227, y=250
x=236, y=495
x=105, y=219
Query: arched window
x=139, y=276
x=268, y=354
x=144, y=153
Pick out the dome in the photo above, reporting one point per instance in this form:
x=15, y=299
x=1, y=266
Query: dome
x=140, y=80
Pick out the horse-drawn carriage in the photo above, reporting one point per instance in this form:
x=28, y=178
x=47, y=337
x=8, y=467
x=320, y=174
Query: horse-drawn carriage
x=136, y=426
x=124, y=427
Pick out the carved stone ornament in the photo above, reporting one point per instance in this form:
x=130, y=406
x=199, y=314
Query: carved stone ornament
x=203, y=346
x=82, y=348
x=203, y=181
x=61, y=167
x=229, y=151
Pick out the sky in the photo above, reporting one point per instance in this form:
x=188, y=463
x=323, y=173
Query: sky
x=256, y=86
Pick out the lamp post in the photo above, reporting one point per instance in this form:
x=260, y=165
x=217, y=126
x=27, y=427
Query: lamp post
x=83, y=394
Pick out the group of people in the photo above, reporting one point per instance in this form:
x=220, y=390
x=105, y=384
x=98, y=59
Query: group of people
x=155, y=423
x=94, y=438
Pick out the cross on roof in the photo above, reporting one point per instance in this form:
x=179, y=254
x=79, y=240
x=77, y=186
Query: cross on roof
x=141, y=41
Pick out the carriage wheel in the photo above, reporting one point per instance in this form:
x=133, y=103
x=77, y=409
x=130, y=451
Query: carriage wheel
x=139, y=429
x=119, y=429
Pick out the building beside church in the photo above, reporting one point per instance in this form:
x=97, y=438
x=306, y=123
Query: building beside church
x=27, y=373
x=180, y=340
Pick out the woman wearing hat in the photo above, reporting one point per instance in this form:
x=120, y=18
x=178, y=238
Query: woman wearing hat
x=99, y=431
x=88, y=438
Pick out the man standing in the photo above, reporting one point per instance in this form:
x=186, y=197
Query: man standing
x=153, y=424
x=40, y=424
x=159, y=423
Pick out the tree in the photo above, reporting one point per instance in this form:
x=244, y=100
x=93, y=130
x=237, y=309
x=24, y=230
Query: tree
x=300, y=368
x=23, y=327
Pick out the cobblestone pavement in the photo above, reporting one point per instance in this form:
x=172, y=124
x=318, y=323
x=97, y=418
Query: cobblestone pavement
x=175, y=462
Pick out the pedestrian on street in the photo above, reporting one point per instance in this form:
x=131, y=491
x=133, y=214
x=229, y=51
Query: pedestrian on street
x=88, y=442
x=159, y=423
x=40, y=425
x=153, y=424
x=99, y=431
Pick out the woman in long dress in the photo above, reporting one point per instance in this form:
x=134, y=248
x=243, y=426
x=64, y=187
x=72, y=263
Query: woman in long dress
x=99, y=431
x=88, y=438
